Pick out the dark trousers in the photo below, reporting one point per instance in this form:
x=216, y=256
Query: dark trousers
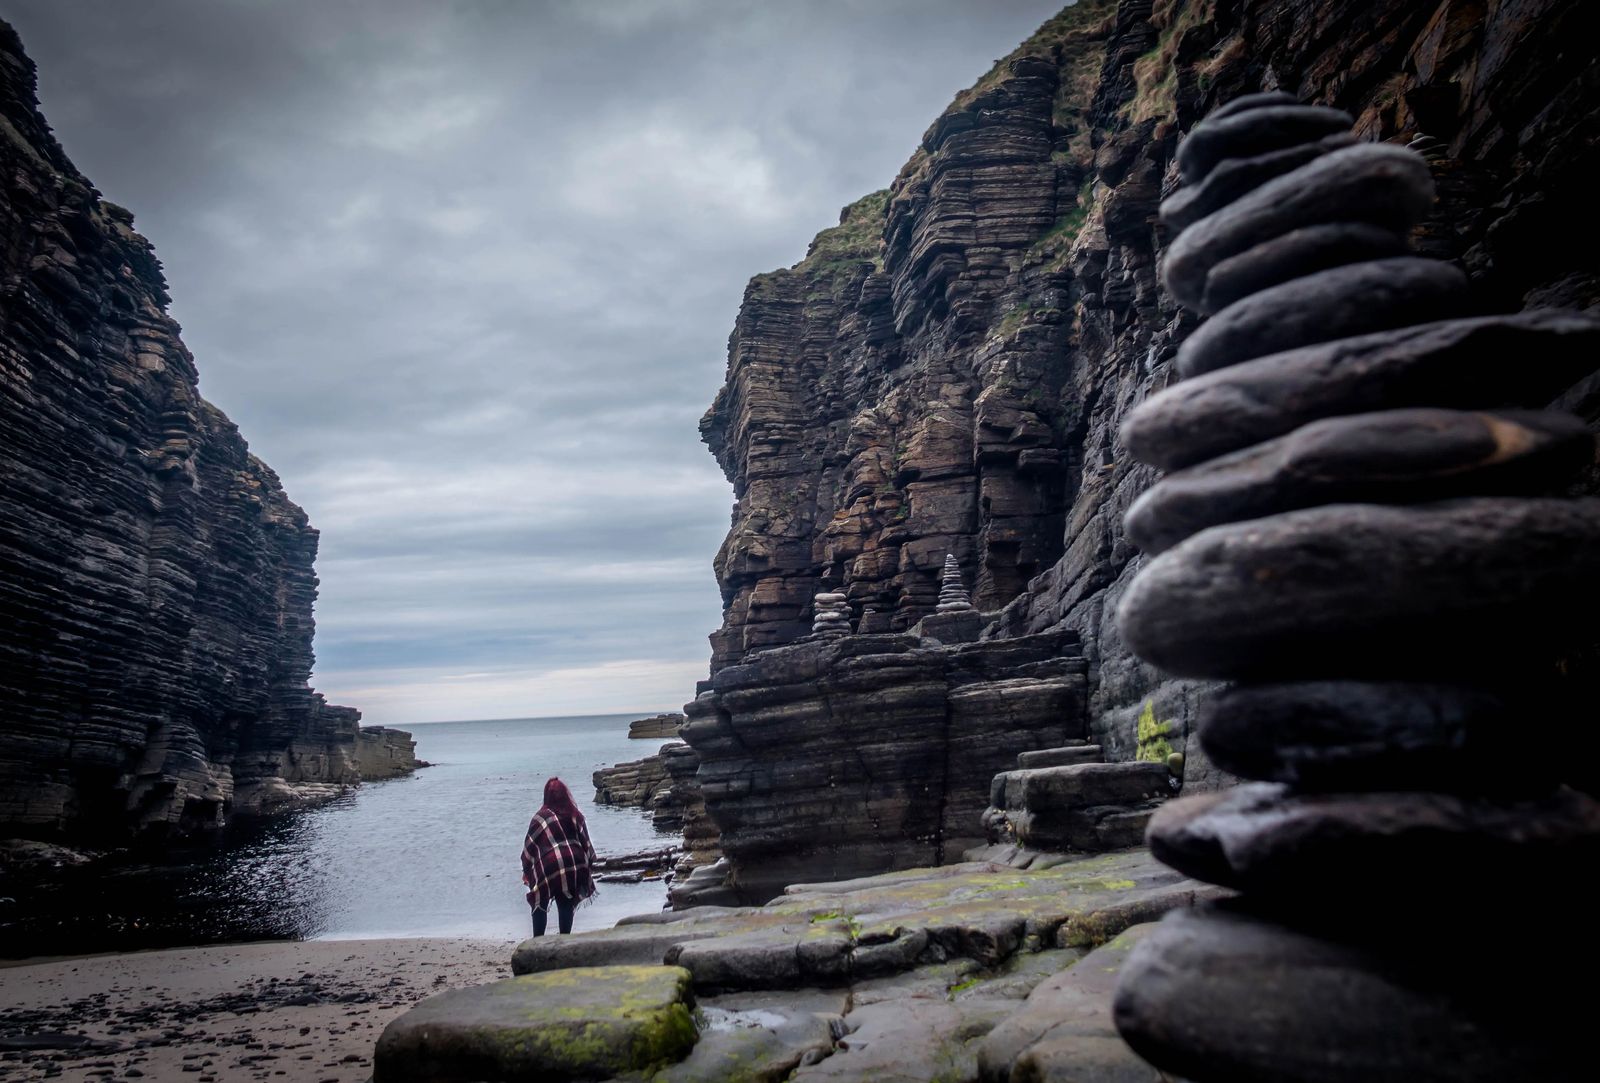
x=563, y=916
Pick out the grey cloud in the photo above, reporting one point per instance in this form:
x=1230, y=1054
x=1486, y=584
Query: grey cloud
x=463, y=273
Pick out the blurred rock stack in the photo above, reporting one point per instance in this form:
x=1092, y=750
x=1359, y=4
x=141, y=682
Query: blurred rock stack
x=831, y=615
x=953, y=597
x=1362, y=528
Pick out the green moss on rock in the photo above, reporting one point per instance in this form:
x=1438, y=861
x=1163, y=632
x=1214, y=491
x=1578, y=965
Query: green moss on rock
x=839, y=252
x=581, y=1023
x=1153, y=744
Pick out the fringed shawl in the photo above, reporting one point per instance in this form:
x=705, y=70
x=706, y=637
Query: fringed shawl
x=556, y=859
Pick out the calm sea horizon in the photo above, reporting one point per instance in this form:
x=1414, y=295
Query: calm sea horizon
x=430, y=854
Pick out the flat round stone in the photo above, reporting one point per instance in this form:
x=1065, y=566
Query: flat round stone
x=1214, y=993
x=1253, y=131
x=1377, y=735
x=1323, y=851
x=1245, y=102
x=1357, y=299
x=1457, y=363
x=1390, y=457
x=1236, y=176
x=1294, y=255
x=1364, y=590
x=1374, y=183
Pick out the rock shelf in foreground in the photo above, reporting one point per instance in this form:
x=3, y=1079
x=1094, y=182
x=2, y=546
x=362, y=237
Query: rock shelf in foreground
x=960, y=972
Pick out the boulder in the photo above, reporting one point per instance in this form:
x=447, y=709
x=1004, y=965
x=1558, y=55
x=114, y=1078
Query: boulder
x=1386, y=735
x=1389, y=457
x=1359, y=590
x=585, y=1024
x=1324, y=851
x=1219, y=993
x=1379, y=185
x=1259, y=129
x=1457, y=364
x=1355, y=299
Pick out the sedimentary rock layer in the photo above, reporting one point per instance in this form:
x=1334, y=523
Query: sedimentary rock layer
x=947, y=369
x=844, y=757
x=633, y=784
x=383, y=752
x=966, y=972
x=156, y=584
x=654, y=727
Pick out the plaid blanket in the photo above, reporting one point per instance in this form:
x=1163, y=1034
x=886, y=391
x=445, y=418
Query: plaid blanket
x=556, y=856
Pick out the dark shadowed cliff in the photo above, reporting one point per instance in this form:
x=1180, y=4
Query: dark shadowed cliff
x=946, y=370
x=156, y=584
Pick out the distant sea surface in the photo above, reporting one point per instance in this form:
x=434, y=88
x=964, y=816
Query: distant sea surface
x=431, y=854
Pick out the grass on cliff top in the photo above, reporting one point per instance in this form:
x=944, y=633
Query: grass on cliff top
x=837, y=251
x=1054, y=246
x=1155, y=74
x=1057, y=31
x=1074, y=39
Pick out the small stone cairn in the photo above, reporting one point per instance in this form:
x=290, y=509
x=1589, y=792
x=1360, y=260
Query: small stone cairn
x=1360, y=527
x=954, y=619
x=953, y=597
x=830, y=615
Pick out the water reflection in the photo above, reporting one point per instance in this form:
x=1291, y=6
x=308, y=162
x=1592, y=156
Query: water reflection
x=256, y=884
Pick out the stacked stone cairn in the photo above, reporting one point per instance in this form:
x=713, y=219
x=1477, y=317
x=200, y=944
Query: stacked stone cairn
x=953, y=596
x=1358, y=528
x=954, y=619
x=830, y=615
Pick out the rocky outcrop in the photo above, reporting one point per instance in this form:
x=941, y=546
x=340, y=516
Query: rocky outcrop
x=634, y=784
x=1081, y=805
x=156, y=584
x=615, y=1020
x=946, y=371
x=383, y=752
x=842, y=757
x=966, y=972
x=648, y=783
x=701, y=873
x=656, y=727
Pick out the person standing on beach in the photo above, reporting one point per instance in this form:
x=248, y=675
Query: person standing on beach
x=557, y=858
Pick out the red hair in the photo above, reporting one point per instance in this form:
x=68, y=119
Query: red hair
x=558, y=799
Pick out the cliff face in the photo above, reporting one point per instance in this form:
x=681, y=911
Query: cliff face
x=947, y=369
x=383, y=753
x=156, y=584
x=834, y=759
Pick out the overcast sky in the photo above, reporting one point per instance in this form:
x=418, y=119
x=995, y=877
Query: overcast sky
x=464, y=273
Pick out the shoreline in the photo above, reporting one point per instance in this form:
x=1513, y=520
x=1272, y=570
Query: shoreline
x=296, y=1011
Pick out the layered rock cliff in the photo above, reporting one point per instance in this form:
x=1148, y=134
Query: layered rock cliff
x=833, y=759
x=156, y=584
x=632, y=784
x=947, y=368
x=657, y=726
x=384, y=752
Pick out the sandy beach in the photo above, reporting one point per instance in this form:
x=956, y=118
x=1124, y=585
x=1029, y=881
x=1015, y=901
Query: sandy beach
x=299, y=1012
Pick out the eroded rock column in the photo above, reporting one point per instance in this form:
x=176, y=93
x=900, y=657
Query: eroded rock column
x=1362, y=527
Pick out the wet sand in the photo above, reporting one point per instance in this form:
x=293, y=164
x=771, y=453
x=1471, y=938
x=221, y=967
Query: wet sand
x=296, y=1012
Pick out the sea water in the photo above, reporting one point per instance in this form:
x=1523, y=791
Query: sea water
x=435, y=853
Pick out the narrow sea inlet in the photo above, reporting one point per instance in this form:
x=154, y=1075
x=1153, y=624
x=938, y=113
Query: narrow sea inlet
x=434, y=854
